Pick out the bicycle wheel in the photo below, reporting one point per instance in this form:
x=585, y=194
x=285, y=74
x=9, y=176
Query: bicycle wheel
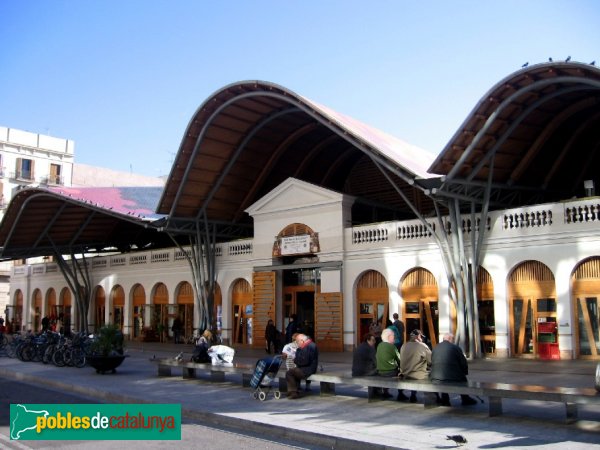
x=26, y=353
x=78, y=358
x=38, y=353
x=47, y=358
x=67, y=356
x=58, y=359
x=11, y=350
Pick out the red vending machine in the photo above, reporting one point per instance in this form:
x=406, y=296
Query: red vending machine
x=547, y=338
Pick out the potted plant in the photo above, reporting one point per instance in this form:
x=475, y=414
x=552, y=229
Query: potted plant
x=107, y=349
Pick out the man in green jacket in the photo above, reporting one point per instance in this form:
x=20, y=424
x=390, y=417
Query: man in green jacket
x=388, y=361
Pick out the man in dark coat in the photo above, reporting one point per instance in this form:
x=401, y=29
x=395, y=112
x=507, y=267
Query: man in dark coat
x=448, y=363
x=306, y=360
x=292, y=327
x=271, y=337
x=363, y=359
x=400, y=327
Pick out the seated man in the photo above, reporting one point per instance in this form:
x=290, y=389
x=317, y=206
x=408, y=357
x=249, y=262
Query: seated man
x=306, y=360
x=388, y=361
x=448, y=363
x=415, y=360
x=363, y=359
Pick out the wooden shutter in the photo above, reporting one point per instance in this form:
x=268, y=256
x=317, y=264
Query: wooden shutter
x=161, y=295
x=263, y=305
x=185, y=295
x=329, y=333
x=118, y=296
x=139, y=295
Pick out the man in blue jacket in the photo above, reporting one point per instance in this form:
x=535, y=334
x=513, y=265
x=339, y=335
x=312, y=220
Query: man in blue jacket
x=306, y=360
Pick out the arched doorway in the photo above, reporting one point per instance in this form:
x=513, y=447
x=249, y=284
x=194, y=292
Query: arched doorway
x=241, y=303
x=139, y=309
x=37, y=310
x=160, y=312
x=51, y=305
x=532, y=295
x=419, y=292
x=299, y=286
x=17, y=316
x=117, y=295
x=66, y=309
x=99, y=308
x=372, y=300
x=185, y=308
x=485, y=309
x=586, y=295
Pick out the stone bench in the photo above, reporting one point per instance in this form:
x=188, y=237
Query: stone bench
x=494, y=392
x=217, y=372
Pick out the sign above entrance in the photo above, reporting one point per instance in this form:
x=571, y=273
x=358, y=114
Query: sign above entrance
x=296, y=239
x=294, y=245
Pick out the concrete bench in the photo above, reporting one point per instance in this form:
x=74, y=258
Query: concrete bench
x=217, y=372
x=494, y=392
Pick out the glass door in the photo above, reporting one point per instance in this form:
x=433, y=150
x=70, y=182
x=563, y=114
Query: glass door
x=423, y=315
x=588, y=327
x=526, y=314
x=300, y=300
x=372, y=317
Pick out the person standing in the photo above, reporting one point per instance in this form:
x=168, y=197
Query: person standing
x=415, y=360
x=292, y=327
x=306, y=360
x=271, y=337
x=400, y=327
x=375, y=330
x=177, y=329
x=448, y=363
x=364, y=360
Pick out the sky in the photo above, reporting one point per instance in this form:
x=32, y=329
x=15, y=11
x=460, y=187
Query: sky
x=123, y=78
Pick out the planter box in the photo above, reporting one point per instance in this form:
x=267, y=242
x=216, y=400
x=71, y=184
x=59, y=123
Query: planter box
x=104, y=364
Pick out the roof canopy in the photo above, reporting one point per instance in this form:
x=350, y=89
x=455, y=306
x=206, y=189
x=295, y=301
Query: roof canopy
x=39, y=221
x=249, y=137
x=535, y=134
x=534, y=137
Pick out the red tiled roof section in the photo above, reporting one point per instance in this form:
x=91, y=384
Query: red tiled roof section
x=134, y=201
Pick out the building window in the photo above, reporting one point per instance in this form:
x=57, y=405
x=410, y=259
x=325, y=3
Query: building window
x=25, y=169
x=55, y=171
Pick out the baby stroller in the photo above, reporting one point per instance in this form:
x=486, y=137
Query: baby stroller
x=265, y=371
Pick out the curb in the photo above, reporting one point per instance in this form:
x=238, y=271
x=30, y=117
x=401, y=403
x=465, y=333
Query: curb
x=207, y=418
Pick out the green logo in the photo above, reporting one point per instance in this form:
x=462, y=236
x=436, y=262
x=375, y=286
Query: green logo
x=95, y=422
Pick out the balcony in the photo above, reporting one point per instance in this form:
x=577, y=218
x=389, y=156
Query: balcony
x=55, y=180
x=22, y=176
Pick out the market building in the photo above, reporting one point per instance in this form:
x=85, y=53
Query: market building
x=311, y=212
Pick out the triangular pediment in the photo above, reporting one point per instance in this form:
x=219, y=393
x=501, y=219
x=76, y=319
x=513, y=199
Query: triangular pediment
x=294, y=194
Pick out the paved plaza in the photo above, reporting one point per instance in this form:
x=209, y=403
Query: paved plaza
x=347, y=420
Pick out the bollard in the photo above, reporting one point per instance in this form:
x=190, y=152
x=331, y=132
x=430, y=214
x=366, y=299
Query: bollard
x=598, y=377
